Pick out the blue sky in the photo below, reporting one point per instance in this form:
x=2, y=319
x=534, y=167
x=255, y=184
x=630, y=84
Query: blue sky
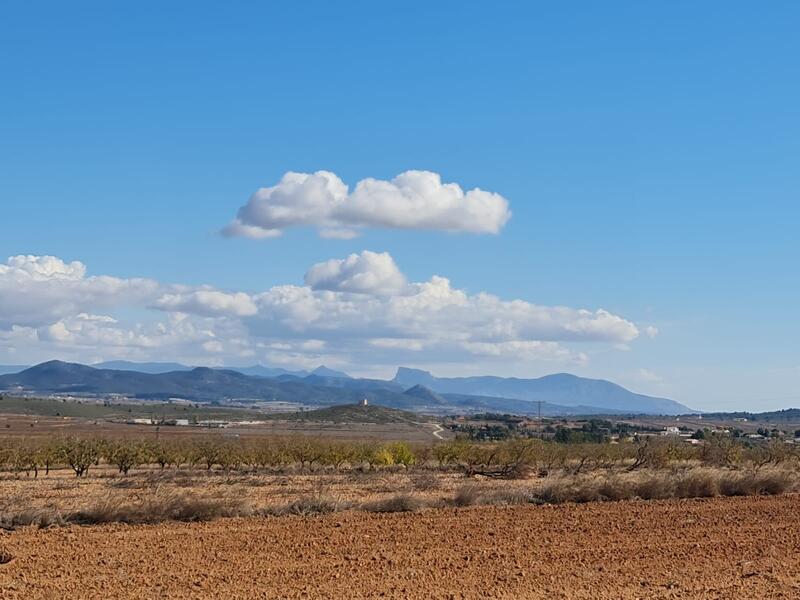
x=648, y=155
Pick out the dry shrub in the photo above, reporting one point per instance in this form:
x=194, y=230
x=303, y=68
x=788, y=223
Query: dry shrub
x=776, y=482
x=5, y=557
x=317, y=504
x=616, y=488
x=697, y=483
x=25, y=517
x=471, y=495
x=559, y=489
x=398, y=503
x=467, y=495
x=161, y=506
x=751, y=483
x=508, y=497
x=652, y=485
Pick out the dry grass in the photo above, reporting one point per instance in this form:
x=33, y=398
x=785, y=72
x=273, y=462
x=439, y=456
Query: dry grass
x=467, y=495
x=161, y=505
x=652, y=485
x=759, y=483
x=398, y=503
x=25, y=517
x=154, y=496
x=169, y=505
x=150, y=479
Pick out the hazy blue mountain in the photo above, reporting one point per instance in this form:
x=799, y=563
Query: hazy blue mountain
x=166, y=367
x=201, y=383
x=141, y=367
x=324, y=371
x=467, y=403
x=427, y=396
x=6, y=369
x=559, y=394
x=351, y=383
x=262, y=371
x=561, y=388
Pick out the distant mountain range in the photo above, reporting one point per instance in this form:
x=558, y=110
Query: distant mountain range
x=255, y=370
x=411, y=389
x=166, y=367
x=561, y=388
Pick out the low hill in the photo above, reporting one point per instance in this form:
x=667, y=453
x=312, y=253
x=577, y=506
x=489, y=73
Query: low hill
x=351, y=413
x=49, y=407
x=468, y=403
x=426, y=396
x=790, y=415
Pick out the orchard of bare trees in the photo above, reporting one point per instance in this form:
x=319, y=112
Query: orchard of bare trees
x=510, y=458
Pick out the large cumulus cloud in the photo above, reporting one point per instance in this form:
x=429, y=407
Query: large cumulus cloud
x=412, y=200
x=35, y=290
x=355, y=311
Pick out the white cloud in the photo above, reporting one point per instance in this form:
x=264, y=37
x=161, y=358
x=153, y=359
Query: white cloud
x=398, y=343
x=76, y=338
x=239, y=229
x=648, y=376
x=651, y=331
x=36, y=290
x=412, y=200
x=213, y=346
x=78, y=331
x=365, y=273
x=431, y=314
x=207, y=302
x=359, y=310
x=527, y=350
x=42, y=268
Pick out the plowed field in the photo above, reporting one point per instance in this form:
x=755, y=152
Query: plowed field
x=720, y=548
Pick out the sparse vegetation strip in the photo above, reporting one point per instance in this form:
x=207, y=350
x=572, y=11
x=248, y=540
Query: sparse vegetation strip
x=153, y=481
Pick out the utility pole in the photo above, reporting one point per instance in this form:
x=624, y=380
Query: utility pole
x=539, y=403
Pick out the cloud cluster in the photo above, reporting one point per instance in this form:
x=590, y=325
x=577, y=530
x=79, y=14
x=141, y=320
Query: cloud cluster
x=207, y=302
x=412, y=200
x=429, y=313
x=35, y=290
x=356, y=310
x=365, y=273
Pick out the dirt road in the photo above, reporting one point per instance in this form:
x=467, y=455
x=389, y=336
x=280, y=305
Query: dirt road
x=721, y=548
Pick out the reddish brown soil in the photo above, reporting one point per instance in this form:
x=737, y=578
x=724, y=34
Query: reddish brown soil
x=720, y=548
